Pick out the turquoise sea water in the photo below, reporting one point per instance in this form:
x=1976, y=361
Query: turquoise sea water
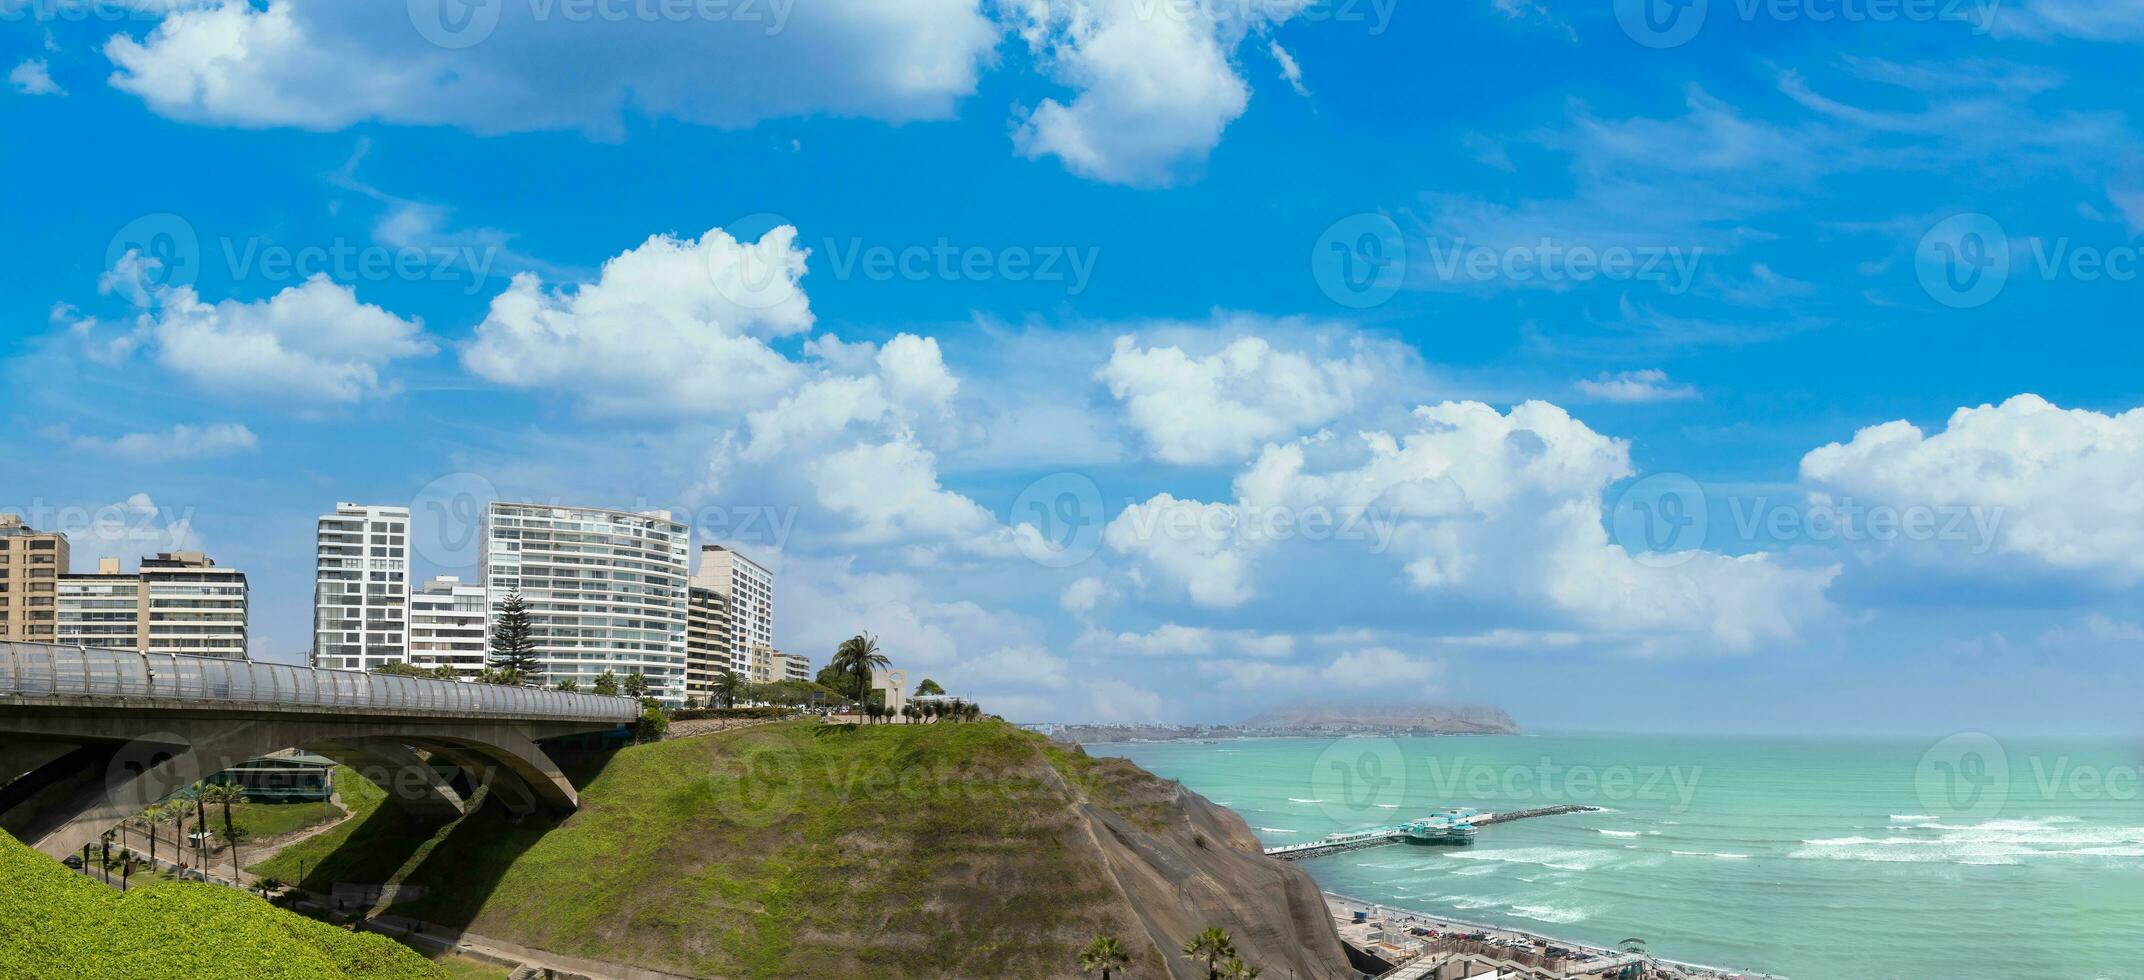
x=1965, y=857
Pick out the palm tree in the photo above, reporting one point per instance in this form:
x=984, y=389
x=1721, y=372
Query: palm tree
x=1104, y=955
x=857, y=659
x=1238, y=970
x=1213, y=946
x=224, y=795
x=727, y=688
x=152, y=816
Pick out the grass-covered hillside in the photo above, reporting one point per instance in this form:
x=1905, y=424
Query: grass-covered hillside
x=953, y=850
x=56, y=923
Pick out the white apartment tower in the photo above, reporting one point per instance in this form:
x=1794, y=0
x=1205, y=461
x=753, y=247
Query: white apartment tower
x=748, y=591
x=192, y=606
x=606, y=589
x=180, y=602
x=446, y=626
x=361, y=587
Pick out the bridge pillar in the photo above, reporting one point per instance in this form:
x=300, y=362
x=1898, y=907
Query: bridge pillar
x=391, y=766
x=515, y=769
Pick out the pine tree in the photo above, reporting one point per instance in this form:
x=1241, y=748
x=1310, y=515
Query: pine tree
x=513, y=638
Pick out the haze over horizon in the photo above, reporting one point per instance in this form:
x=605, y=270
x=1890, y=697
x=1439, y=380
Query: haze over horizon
x=1130, y=365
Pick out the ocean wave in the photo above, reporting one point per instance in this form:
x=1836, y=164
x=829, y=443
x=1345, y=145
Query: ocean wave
x=1913, y=816
x=1549, y=913
x=1294, y=800
x=1388, y=806
x=1469, y=902
x=1993, y=842
x=1616, y=833
x=1562, y=859
x=1486, y=869
x=1277, y=830
x=1712, y=854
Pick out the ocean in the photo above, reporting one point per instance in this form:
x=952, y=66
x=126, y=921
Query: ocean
x=1816, y=859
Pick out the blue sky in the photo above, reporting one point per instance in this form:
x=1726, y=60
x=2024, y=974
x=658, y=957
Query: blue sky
x=1127, y=359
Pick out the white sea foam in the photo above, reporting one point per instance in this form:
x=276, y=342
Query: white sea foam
x=1469, y=902
x=1548, y=913
x=1993, y=842
x=1388, y=806
x=1617, y=833
x=1294, y=800
x=1486, y=869
x=1278, y=830
x=1564, y=859
x=1913, y=816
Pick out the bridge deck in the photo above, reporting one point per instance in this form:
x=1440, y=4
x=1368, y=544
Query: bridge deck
x=45, y=675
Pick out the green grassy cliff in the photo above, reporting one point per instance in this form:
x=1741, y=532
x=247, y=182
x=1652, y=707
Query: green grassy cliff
x=887, y=851
x=56, y=923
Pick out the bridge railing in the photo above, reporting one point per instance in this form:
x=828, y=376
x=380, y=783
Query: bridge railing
x=38, y=671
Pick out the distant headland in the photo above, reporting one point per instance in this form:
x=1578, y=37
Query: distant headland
x=1314, y=718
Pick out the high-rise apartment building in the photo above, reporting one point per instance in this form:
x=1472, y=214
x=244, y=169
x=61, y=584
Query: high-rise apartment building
x=748, y=589
x=108, y=609
x=193, y=606
x=606, y=589
x=707, y=641
x=181, y=602
x=361, y=587
x=446, y=626
x=31, y=563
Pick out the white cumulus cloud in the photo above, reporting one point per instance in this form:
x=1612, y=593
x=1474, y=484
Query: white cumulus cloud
x=538, y=66
x=1223, y=406
x=313, y=343
x=1157, y=83
x=2054, y=487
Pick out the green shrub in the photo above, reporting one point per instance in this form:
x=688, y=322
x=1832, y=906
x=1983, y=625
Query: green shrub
x=58, y=923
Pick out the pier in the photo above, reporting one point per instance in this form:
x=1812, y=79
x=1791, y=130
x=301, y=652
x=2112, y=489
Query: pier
x=1380, y=836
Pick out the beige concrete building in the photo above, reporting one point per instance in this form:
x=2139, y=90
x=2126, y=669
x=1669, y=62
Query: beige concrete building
x=748, y=589
x=792, y=667
x=707, y=641
x=31, y=563
x=181, y=602
x=195, y=607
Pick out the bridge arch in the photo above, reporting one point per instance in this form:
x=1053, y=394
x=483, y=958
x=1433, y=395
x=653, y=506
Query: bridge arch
x=89, y=738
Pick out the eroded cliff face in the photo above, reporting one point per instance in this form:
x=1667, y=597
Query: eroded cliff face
x=1184, y=864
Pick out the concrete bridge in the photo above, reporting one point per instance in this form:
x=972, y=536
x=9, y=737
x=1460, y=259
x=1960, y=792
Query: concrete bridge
x=88, y=738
